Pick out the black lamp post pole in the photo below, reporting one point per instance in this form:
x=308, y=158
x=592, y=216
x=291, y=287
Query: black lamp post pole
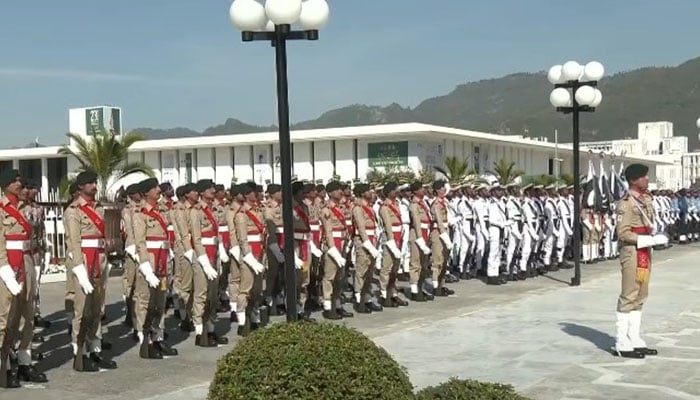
x=278, y=39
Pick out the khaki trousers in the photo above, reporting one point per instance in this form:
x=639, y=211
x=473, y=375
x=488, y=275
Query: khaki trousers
x=330, y=281
x=272, y=288
x=440, y=257
x=633, y=294
x=150, y=307
x=418, y=267
x=234, y=280
x=363, y=276
x=9, y=320
x=186, y=284
x=249, y=289
x=387, y=275
x=70, y=290
x=27, y=305
x=87, y=318
x=204, y=297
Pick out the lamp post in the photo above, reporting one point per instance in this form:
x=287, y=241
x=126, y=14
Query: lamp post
x=273, y=23
x=574, y=92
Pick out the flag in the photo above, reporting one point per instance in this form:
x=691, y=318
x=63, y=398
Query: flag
x=617, y=187
x=603, y=190
x=588, y=189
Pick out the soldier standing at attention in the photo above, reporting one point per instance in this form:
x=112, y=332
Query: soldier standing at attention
x=86, y=247
x=151, y=287
x=70, y=282
x=275, y=246
x=635, y=224
x=220, y=205
x=440, y=239
x=419, y=236
x=393, y=226
x=185, y=254
x=204, y=228
x=365, y=243
x=234, y=277
x=131, y=262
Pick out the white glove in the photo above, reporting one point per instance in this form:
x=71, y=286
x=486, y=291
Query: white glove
x=315, y=250
x=171, y=255
x=644, y=241
x=147, y=272
x=660, y=240
x=298, y=262
x=209, y=271
x=335, y=255
x=223, y=256
x=391, y=245
x=189, y=255
x=277, y=252
x=445, y=237
x=81, y=274
x=131, y=251
x=235, y=252
x=257, y=267
x=420, y=242
x=7, y=274
x=370, y=248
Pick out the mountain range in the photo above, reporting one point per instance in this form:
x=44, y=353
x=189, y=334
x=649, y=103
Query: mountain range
x=519, y=104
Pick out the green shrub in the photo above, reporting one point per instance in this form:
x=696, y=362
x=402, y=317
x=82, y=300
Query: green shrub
x=458, y=389
x=308, y=361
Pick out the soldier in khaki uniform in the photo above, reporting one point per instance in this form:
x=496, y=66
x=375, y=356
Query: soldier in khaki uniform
x=635, y=230
x=35, y=216
x=165, y=207
x=440, y=239
x=131, y=262
x=153, y=248
x=365, y=245
x=184, y=254
x=204, y=229
x=17, y=283
x=250, y=230
x=275, y=247
x=302, y=250
x=86, y=247
x=70, y=281
x=335, y=236
x=419, y=235
x=588, y=229
x=219, y=206
x=234, y=277
x=390, y=219
x=315, y=208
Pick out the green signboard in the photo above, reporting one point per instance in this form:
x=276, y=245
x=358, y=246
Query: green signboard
x=94, y=120
x=387, y=154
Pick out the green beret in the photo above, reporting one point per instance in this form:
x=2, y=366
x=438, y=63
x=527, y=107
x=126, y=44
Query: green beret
x=297, y=187
x=189, y=187
x=274, y=188
x=333, y=186
x=390, y=187
x=245, y=189
x=8, y=176
x=204, y=184
x=165, y=186
x=86, y=177
x=73, y=187
x=437, y=185
x=219, y=188
x=320, y=187
x=360, y=189
x=133, y=189
x=147, y=184
x=416, y=185
x=235, y=190
x=180, y=192
x=635, y=171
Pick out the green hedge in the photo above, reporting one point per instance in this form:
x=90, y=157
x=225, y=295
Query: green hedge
x=457, y=389
x=308, y=361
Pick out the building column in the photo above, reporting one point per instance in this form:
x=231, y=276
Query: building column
x=44, y=179
x=15, y=164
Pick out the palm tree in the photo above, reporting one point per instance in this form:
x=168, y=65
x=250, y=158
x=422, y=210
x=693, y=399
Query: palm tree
x=455, y=169
x=106, y=155
x=506, y=172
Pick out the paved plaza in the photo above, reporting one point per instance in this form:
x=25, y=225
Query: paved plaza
x=549, y=340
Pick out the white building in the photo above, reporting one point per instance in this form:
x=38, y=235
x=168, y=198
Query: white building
x=654, y=142
x=317, y=154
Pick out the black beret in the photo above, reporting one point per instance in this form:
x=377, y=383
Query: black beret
x=252, y=184
x=148, y=184
x=297, y=187
x=166, y=186
x=360, y=189
x=273, y=188
x=390, y=187
x=437, y=185
x=415, y=186
x=333, y=186
x=258, y=189
x=8, y=176
x=204, y=184
x=245, y=189
x=30, y=185
x=133, y=189
x=635, y=171
x=180, y=192
x=235, y=190
x=309, y=187
x=86, y=177
x=320, y=187
x=189, y=187
x=343, y=186
x=73, y=187
x=219, y=188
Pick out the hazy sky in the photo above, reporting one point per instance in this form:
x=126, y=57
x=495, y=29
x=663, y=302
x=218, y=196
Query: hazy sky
x=172, y=63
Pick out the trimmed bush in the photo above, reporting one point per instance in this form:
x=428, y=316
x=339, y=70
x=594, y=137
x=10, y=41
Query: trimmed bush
x=458, y=389
x=309, y=361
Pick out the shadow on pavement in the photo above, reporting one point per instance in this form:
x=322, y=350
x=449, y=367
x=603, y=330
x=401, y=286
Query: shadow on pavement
x=602, y=340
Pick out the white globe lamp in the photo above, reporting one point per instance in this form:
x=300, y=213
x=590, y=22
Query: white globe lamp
x=593, y=71
x=598, y=98
x=585, y=95
x=283, y=12
x=314, y=14
x=554, y=75
x=247, y=15
x=571, y=71
x=560, y=97
x=697, y=123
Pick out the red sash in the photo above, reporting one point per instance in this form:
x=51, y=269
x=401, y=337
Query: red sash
x=226, y=239
x=256, y=247
x=16, y=257
x=643, y=255
x=12, y=211
x=303, y=245
x=212, y=220
x=397, y=235
x=92, y=256
x=94, y=217
x=338, y=214
x=156, y=215
x=303, y=217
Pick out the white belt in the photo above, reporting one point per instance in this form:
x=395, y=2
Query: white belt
x=157, y=244
x=315, y=227
x=339, y=234
x=92, y=243
x=425, y=226
x=279, y=229
x=22, y=245
x=396, y=229
x=301, y=236
x=254, y=238
x=223, y=228
x=171, y=228
x=348, y=222
x=370, y=233
x=209, y=241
